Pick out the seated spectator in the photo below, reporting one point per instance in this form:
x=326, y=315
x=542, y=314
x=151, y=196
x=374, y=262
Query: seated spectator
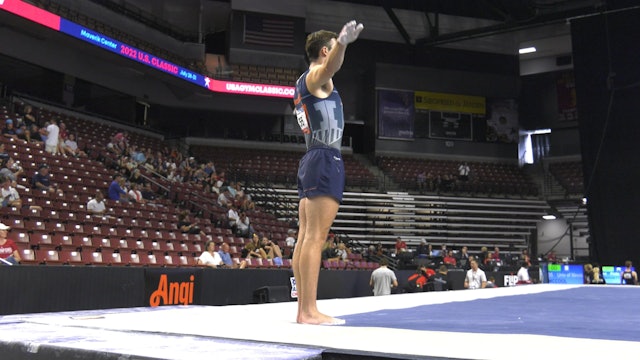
x=10, y=197
x=225, y=199
x=116, y=191
x=42, y=180
x=272, y=250
x=342, y=251
x=11, y=170
x=253, y=249
x=9, y=131
x=137, y=178
x=34, y=134
x=232, y=218
x=290, y=240
x=8, y=249
x=449, y=259
x=135, y=195
x=148, y=193
x=186, y=227
x=588, y=273
x=209, y=256
x=597, y=278
x=226, y=258
x=245, y=203
x=96, y=206
x=401, y=246
x=551, y=257
x=463, y=257
x=423, y=250
x=71, y=147
x=243, y=224
x=329, y=251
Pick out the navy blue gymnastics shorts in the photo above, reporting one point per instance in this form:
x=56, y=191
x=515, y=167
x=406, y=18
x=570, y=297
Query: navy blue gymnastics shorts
x=321, y=172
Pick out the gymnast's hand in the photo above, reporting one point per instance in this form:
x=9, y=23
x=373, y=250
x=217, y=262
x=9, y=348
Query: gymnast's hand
x=350, y=32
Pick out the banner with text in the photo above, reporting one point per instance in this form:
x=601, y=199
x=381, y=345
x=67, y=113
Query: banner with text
x=395, y=114
x=450, y=102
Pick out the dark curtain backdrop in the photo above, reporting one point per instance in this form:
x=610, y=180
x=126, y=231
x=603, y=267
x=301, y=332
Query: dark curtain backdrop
x=607, y=74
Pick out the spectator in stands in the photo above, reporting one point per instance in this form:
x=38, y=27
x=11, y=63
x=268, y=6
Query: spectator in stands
x=597, y=278
x=421, y=180
x=224, y=199
x=135, y=195
x=148, y=194
x=628, y=275
x=11, y=170
x=42, y=180
x=342, y=251
x=440, y=281
x=210, y=256
x=495, y=256
x=551, y=256
x=245, y=229
x=209, y=168
x=400, y=246
x=137, y=178
x=96, y=206
x=226, y=258
x=116, y=191
x=3, y=152
x=34, y=134
x=463, y=257
x=383, y=279
x=463, y=172
x=8, y=249
x=423, y=251
x=525, y=257
x=272, y=250
x=53, y=136
x=28, y=116
x=476, y=278
x=329, y=251
x=291, y=239
x=253, y=249
x=64, y=134
x=523, y=274
x=9, y=130
x=483, y=257
x=232, y=217
x=71, y=147
x=10, y=197
x=245, y=203
x=187, y=227
x=449, y=259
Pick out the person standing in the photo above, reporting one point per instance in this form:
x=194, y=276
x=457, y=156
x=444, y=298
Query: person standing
x=383, y=279
x=628, y=276
x=523, y=274
x=476, y=278
x=318, y=109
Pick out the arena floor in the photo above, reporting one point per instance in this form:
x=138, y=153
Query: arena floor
x=525, y=322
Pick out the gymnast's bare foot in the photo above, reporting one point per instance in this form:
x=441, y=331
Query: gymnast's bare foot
x=319, y=319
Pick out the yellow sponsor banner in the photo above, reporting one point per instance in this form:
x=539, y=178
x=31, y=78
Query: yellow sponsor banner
x=450, y=102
